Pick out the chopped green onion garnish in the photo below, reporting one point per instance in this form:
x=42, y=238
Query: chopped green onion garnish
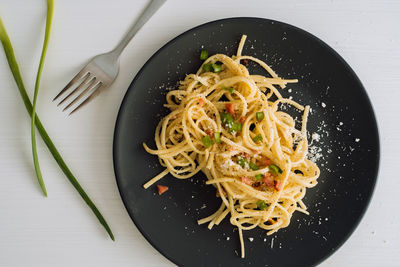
x=229, y=89
x=203, y=54
x=274, y=169
x=260, y=116
x=259, y=177
x=216, y=67
x=227, y=119
x=242, y=161
x=262, y=205
x=207, y=67
x=229, y=123
x=217, y=137
x=257, y=138
x=237, y=127
x=207, y=142
x=253, y=166
x=198, y=83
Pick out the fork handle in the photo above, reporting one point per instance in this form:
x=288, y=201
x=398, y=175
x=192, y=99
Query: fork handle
x=153, y=6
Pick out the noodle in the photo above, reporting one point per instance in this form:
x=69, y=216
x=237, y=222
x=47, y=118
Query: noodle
x=228, y=124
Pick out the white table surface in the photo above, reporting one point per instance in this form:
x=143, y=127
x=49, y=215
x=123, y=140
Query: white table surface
x=61, y=230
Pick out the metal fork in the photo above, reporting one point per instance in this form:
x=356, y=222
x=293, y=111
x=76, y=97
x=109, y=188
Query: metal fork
x=102, y=70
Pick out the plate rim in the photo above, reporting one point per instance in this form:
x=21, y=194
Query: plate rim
x=263, y=20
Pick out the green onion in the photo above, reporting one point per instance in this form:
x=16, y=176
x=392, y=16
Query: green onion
x=227, y=119
x=207, y=67
x=198, y=83
x=274, y=169
x=229, y=89
x=242, y=161
x=236, y=126
x=229, y=123
x=207, y=142
x=217, y=137
x=216, y=67
x=260, y=116
x=262, y=205
x=9, y=52
x=259, y=177
x=203, y=54
x=49, y=18
x=253, y=166
x=257, y=138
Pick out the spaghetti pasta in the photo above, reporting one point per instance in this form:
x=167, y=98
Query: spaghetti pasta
x=229, y=124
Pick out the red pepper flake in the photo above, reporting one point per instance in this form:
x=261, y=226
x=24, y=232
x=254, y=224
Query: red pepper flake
x=210, y=133
x=278, y=185
x=162, y=189
x=255, y=151
x=266, y=161
x=242, y=119
x=229, y=107
x=245, y=62
x=268, y=179
x=247, y=180
x=201, y=102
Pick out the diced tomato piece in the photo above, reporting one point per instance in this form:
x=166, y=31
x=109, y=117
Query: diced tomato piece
x=266, y=161
x=162, y=189
x=242, y=119
x=278, y=185
x=201, y=102
x=229, y=107
x=268, y=179
x=247, y=180
x=210, y=133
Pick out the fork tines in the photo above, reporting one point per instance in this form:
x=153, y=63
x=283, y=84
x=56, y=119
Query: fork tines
x=86, y=84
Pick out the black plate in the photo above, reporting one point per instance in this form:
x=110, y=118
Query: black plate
x=341, y=114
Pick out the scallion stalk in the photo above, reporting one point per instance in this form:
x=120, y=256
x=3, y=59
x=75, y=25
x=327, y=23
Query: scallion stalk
x=12, y=62
x=49, y=17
